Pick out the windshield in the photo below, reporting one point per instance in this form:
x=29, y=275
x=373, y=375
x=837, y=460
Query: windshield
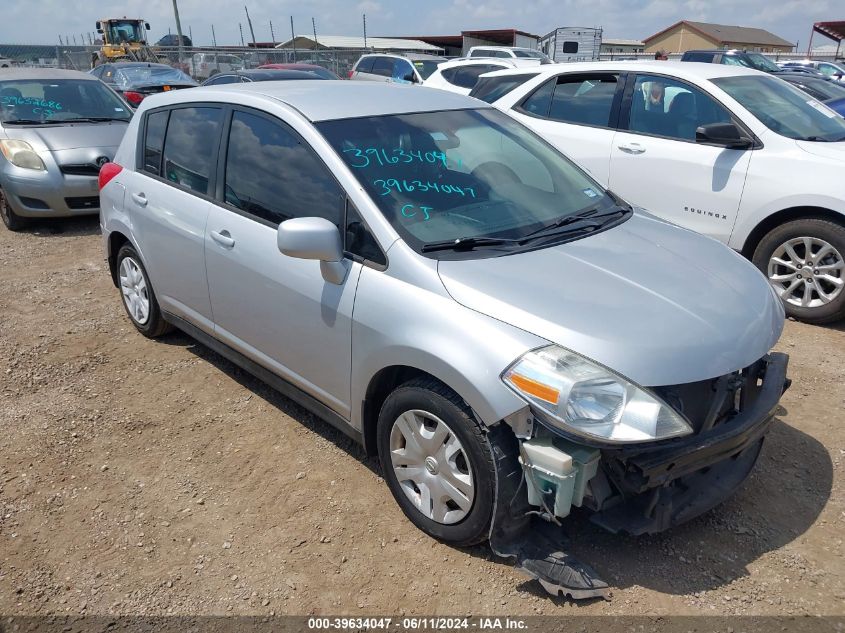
x=59, y=100
x=530, y=54
x=785, y=109
x=826, y=89
x=134, y=76
x=462, y=174
x=426, y=66
x=124, y=31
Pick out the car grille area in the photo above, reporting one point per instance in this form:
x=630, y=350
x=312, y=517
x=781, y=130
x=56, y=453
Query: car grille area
x=80, y=170
x=83, y=202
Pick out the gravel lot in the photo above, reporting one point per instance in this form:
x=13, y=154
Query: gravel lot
x=142, y=477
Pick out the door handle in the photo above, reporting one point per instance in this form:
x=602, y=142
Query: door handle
x=632, y=148
x=140, y=199
x=223, y=238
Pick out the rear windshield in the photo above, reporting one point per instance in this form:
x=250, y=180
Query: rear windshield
x=136, y=76
x=492, y=89
x=426, y=66
x=58, y=100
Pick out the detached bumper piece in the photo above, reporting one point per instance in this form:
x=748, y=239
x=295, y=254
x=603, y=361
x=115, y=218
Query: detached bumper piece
x=537, y=546
x=667, y=484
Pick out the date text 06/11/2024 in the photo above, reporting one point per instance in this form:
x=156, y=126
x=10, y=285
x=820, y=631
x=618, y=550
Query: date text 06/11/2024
x=417, y=623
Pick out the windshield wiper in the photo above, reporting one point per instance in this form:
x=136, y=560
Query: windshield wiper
x=590, y=216
x=466, y=243
x=31, y=122
x=94, y=119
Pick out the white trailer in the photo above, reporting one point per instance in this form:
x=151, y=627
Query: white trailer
x=572, y=44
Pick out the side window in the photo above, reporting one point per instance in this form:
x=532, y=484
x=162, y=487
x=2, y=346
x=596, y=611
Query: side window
x=97, y=71
x=828, y=70
x=584, y=100
x=359, y=240
x=467, y=76
x=383, y=66
x=154, y=141
x=272, y=175
x=672, y=108
x=570, y=48
x=223, y=79
x=698, y=57
x=365, y=65
x=189, y=146
x=403, y=71
x=540, y=101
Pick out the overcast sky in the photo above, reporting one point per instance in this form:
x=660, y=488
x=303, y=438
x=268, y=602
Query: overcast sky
x=24, y=21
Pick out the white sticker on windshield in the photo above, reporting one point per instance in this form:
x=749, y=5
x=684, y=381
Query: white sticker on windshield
x=590, y=192
x=822, y=108
x=118, y=110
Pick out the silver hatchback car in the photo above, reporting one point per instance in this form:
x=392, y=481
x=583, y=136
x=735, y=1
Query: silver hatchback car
x=57, y=127
x=435, y=280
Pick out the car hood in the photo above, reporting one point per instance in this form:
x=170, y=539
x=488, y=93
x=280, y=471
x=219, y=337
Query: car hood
x=658, y=304
x=836, y=151
x=71, y=136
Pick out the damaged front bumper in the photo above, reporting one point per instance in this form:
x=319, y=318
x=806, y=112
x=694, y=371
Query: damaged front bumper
x=639, y=488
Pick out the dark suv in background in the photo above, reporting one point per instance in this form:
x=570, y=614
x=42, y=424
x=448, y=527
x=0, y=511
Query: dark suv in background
x=733, y=57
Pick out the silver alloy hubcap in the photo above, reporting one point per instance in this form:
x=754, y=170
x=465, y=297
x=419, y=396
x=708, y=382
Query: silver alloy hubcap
x=807, y=272
x=134, y=290
x=431, y=466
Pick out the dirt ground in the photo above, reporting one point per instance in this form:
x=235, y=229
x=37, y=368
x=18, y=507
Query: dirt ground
x=142, y=477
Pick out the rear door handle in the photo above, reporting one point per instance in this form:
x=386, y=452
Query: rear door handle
x=140, y=199
x=223, y=238
x=632, y=148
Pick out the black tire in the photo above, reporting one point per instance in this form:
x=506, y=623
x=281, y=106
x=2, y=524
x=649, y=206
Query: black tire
x=154, y=325
x=832, y=233
x=433, y=397
x=11, y=220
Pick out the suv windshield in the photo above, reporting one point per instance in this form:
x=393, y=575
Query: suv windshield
x=58, y=100
x=530, y=54
x=785, y=109
x=134, y=76
x=475, y=176
x=752, y=60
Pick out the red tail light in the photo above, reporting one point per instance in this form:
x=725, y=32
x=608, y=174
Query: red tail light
x=107, y=172
x=349, y=74
x=133, y=97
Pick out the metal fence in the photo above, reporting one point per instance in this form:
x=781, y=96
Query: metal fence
x=199, y=62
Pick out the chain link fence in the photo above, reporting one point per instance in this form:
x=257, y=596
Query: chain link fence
x=199, y=62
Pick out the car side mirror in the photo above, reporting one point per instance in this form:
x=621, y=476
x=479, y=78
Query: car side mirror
x=147, y=25
x=725, y=134
x=315, y=238
x=410, y=78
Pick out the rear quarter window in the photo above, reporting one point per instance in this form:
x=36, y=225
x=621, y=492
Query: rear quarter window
x=491, y=89
x=365, y=65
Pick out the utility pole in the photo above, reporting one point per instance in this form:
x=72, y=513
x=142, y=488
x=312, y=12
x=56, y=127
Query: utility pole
x=178, y=28
x=314, y=27
x=293, y=39
x=241, y=29
x=214, y=43
x=365, y=31
x=191, y=34
x=249, y=23
x=272, y=35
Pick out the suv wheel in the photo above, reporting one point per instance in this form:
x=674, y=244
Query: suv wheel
x=805, y=263
x=138, y=296
x=11, y=220
x=437, y=462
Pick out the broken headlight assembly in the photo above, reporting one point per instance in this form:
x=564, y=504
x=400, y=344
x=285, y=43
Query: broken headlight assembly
x=579, y=396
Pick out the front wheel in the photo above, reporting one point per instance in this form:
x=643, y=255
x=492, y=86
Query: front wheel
x=804, y=261
x=11, y=220
x=437, y=462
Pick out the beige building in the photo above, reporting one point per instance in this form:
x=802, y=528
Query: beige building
x=685, y=35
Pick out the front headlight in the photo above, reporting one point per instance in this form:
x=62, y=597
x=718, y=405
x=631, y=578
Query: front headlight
x=20, y=153
x=587, y=399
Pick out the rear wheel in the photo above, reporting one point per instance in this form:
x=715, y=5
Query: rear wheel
x=437, y=462
x=11, y=220
x=804, y=261
x=139, y=300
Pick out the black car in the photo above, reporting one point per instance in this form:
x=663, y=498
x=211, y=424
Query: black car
x=828, y=91
x=733, y=57
x=258, y=74
x=136, y=80
x=173, y=40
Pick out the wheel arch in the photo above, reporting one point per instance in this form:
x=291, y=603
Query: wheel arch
x=115, y=241
x=781, y=217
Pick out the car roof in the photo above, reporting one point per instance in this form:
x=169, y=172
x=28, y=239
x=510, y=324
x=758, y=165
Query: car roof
x=329, y=100
x=412, y=56
x=20, y=74
x=269, y=74
x=682, y=70
x=137, y=65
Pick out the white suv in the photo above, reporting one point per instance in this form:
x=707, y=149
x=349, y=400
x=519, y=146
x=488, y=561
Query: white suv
x=730, y=152
x=509, y=52
x=412, y=68
x=461, y=75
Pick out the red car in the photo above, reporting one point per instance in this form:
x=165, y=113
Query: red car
x=311, y=68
